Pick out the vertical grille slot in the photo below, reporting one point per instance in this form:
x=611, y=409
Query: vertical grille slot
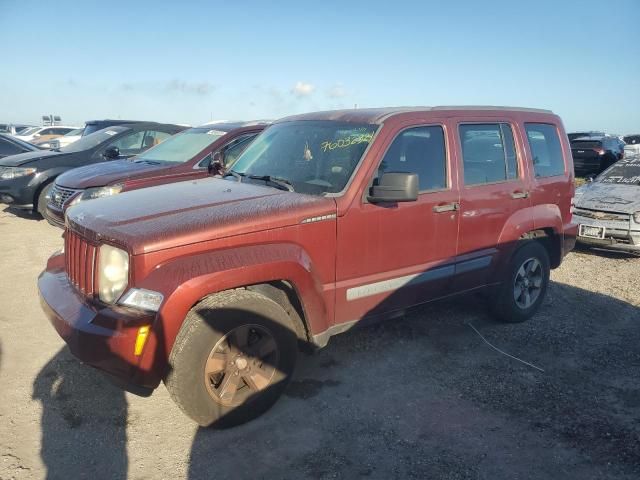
x=80, y=257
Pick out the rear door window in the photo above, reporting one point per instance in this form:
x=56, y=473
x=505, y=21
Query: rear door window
x=546, y=151
x=488, y=153
x=419, y=150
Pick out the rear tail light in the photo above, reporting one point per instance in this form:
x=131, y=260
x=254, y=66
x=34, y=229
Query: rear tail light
x=600, y=151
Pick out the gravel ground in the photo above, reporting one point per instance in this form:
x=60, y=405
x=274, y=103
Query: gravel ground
x=418, y=397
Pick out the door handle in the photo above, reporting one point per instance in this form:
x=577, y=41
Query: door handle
x=449, y=207
x=520, y=195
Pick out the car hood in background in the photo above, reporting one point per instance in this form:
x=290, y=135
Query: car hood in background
x=175, y=214
x=609, y=197
x=22, y=158
x=105, y=173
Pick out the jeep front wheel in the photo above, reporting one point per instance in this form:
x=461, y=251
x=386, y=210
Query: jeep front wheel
x=232, y=359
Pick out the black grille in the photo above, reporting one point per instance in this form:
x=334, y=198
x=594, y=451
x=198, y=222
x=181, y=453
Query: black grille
x=59, y=195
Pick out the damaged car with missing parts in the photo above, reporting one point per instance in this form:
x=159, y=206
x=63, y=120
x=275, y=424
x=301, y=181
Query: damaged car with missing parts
x=607, y=208
x=327, y=219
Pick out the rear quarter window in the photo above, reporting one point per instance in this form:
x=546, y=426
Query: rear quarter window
x=546, y=150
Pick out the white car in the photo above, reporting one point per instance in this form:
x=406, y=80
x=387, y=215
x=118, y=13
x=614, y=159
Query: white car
x=35, y=134
x=632, y=145
x=64, y=140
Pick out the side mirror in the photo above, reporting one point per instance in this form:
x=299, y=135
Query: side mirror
x=216, y=164
x=395, y=187
x=111, y=153
x=590, y=178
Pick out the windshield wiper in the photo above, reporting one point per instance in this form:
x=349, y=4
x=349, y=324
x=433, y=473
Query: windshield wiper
x=281, y=183
x=236, y=175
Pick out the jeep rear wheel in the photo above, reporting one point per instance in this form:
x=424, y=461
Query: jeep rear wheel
x=523, y=291
x=232, y=359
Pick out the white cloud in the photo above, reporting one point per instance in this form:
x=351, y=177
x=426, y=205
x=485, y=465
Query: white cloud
x=302, y=89
x=337, y=91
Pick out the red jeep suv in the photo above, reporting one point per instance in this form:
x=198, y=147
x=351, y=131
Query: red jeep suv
x=326, y=219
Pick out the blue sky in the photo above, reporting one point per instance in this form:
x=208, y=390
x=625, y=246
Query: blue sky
x=189, y=62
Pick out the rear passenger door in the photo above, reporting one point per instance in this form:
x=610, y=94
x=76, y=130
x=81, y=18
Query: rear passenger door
x=552, y=170
x=493, y=189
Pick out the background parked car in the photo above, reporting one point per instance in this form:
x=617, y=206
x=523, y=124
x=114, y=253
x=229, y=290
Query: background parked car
x=26, y=179
x=608, y=209
x=13, y=146
x=44, y=133
x=91, y=126
x=62, y=141
x=593, y=154
x=186, y=156
x=13, y=128
x=593, y=133
x=632, y=145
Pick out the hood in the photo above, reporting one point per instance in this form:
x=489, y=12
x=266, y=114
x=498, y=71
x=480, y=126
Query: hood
x=609, y=197
x=176, y=214
x=22, y=158
x=104, y=173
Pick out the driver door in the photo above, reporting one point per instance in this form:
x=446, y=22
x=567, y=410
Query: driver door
x=394, y=255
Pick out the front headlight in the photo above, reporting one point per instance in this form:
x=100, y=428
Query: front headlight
x=97, y=192
x=143, y=299
x=113, y=273
x=636, y=217
x=9, y=173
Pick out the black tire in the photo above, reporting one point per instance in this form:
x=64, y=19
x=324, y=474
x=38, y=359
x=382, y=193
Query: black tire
x=43, y=198
x=507, y=305
x=209, y=328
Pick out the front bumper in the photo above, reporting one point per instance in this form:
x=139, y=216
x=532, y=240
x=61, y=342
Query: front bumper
x=54, y=216
x=619, y=235
x=19, y=192
x=98, y=335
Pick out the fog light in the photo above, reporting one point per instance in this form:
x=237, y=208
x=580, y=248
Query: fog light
x=6, y=199
x=141, y=340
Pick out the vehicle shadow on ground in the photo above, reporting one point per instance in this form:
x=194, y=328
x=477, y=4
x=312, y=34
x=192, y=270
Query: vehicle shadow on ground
x=603, y=252
x=425, y=397
x=26, y=214
x=416, y=397
x=83, y=423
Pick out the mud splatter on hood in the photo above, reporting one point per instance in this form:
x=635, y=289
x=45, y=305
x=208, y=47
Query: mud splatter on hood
x=167, y=216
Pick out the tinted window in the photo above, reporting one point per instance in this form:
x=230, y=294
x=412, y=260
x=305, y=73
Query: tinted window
x=488, y=153
x=632, y=139
x=418, y=150
x=546, y=151
x=8, y=148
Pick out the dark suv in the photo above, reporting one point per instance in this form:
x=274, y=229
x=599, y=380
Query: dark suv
x=593, y=154
x=188, y=155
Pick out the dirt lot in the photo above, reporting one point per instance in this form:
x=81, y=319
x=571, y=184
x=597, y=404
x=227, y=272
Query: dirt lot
x=419, y=397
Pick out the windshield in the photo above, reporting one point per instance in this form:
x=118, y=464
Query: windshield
x=90, y=141
x=72, y=133
x=26, y=145
x=181, y=147
x=626, y=171
x=315, y=157
x=29, y=131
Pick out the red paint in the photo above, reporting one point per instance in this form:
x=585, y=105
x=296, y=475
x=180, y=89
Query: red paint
x=217, y=235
